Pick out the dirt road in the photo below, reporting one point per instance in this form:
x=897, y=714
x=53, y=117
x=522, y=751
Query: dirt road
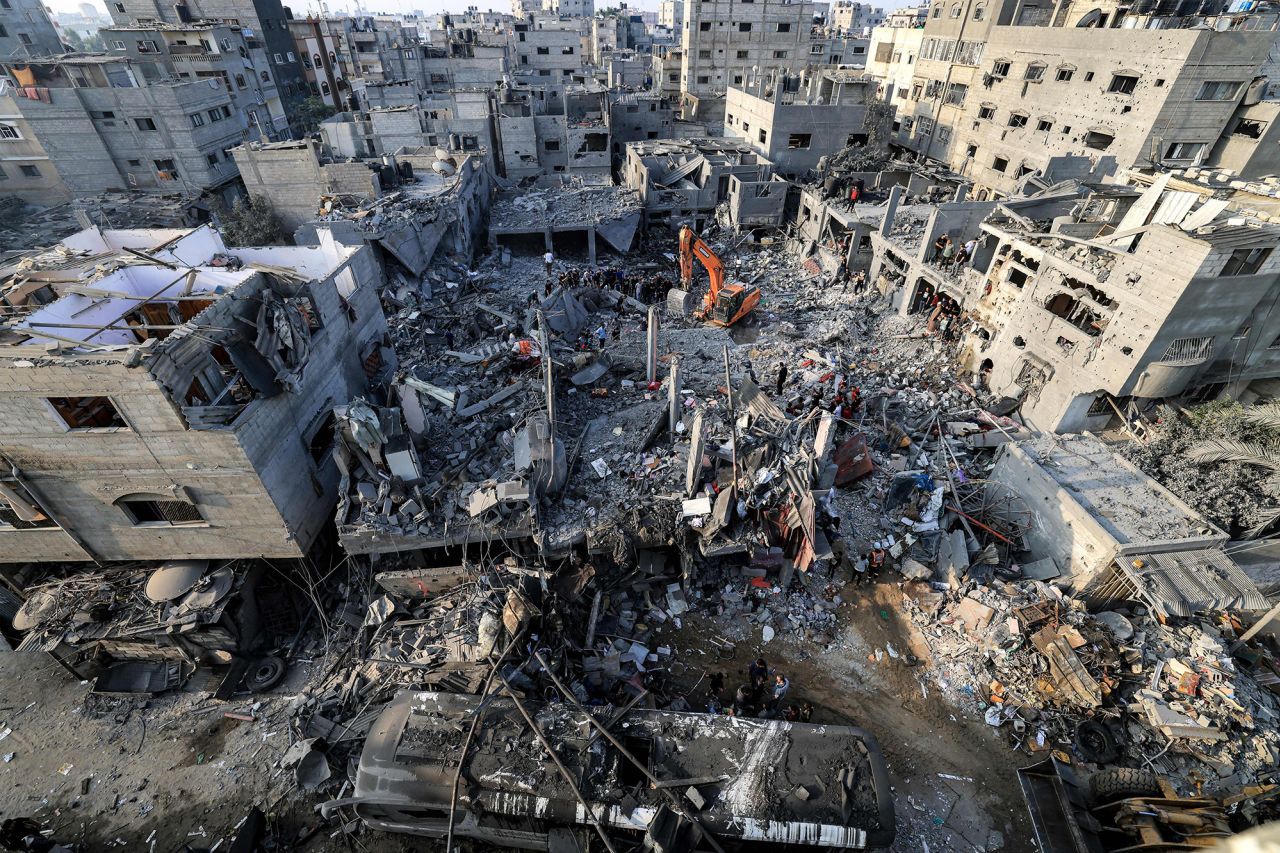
x=953, y=777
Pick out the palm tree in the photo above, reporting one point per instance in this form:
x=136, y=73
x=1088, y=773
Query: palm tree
x=1263, y=452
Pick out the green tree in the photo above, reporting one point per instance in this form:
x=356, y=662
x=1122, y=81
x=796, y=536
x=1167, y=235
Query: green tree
x=251, y=223
x=308, y=114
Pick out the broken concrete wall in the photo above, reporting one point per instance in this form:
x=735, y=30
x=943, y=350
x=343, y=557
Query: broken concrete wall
x=520, y=152
x=757, y=204
x=276, y=435
x=1083, y=522
x=291, y=177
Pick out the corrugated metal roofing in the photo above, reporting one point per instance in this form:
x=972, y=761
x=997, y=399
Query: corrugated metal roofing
x=1183, y=583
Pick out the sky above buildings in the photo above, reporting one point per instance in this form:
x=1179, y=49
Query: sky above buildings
x=303, y=7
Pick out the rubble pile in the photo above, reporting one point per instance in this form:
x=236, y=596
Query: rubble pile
x=1109, y=687
x=564, y=206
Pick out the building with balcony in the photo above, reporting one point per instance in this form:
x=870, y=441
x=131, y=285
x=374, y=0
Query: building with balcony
x=207, y=50
x=98, y=123
x=263, y=23
x=162, y=398
x=1084, y=298
x=326, y=65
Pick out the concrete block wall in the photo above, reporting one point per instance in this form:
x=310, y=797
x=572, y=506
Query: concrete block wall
x=81, y=473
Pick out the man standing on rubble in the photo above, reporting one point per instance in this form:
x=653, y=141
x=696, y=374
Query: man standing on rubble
x=782, y=379
x=757, y=672
x=602, y=335
x=549, y=260
x=781, y=684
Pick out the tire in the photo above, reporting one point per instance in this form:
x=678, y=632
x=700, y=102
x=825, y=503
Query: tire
x=264, y=673
x=1121, y=783
x=1096, y=743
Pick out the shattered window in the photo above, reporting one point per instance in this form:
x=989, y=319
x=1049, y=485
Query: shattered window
x=1018, y=120
x=1246, y=261
x=1183, y=150
x=1098, y=140
x=1250, y=128
x=19, y=510
x=156, y=510
x=1123, y=84
x=87, y=413
x=1188, y=349
x=1219, y=90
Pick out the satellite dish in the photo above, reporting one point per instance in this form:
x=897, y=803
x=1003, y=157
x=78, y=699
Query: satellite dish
x=174, y=578
x=34, y=611
x=209, y=590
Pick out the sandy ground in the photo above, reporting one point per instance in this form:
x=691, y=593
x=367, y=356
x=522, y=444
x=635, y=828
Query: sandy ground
x=954, y=779
x=187, y=776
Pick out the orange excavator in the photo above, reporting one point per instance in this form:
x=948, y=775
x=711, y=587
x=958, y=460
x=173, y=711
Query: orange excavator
x=724, y=304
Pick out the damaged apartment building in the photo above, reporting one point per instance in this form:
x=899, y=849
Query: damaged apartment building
x=794, y=122
x=165, y=396
x=408, y=205
x=97, y=123
x=685, y=181
x=1087, y=297
x=1000, y=88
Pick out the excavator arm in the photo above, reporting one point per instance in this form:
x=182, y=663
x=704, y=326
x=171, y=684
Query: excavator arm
x=691, y=246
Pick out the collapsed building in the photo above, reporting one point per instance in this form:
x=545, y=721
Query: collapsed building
x=408, y=205
x=680, y=778
x=793, y=122
x=168, y=397
x=1085, y=297
x=686, y=180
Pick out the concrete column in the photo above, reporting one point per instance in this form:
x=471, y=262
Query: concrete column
x=651, y=350
x=673, y=396
x=591, y=245
x=962, y=192
x=546, y=236
x=894, y=195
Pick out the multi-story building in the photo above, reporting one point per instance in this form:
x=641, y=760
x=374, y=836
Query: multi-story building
x=265, y=24
x=578, y=8
x=996, y=97
x=728, y=43
x=850, y=17
x=910, y=17
x=103, y=125
x=1079, y=301
x=326, y=64
x=544, y=46
x=164, y=407
x=795, y=122
x=554, y=133
x=666, y=63
x=671, y=13
x=891, y=59
x=207, y=50
x=27, y=31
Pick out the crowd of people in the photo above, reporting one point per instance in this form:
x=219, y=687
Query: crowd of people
x=763, y=695
x=644, y=287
